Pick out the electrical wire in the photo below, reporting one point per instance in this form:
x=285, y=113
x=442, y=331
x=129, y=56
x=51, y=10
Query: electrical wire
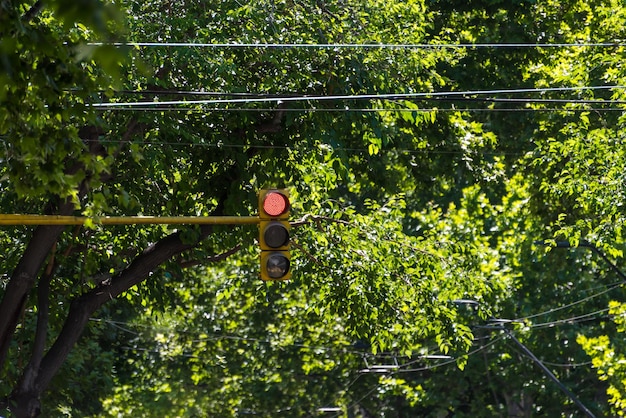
x=215, y=337
x=526, y=100
x=447, y=362
x=548, y=373
x=265, y=45
x=376, y=96
x=195, y=109
x=567, y=365
x=570, y=321
x=567, y=101
x=425, y=368
x=313, y=148
x=346, y=349
x=607, y=289
x=179, y=92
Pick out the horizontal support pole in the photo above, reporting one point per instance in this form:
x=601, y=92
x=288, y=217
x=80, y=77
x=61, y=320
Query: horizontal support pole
x=16, y=219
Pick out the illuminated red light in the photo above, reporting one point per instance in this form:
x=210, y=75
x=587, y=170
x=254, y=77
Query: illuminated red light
x=275, y=204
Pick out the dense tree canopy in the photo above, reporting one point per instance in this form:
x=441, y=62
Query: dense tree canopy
x=456, y=175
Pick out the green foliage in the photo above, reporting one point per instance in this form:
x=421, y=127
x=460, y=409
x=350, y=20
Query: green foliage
x=48, y=80
x=415, y=221
x=608, y=358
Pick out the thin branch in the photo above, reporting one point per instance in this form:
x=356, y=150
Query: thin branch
x=307, y=219
x=213, y=259
x=33, y=11
x=308, y=254
x=275, y=125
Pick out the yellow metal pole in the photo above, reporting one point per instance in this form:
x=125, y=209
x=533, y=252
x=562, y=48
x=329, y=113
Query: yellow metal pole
x=17, y=219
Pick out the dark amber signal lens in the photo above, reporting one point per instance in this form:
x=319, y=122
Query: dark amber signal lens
x=276, y=235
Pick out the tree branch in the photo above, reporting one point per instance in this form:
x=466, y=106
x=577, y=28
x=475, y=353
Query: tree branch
x=23, y=279
x=43, y=313
x=26, y=397
x=82, y=308
x=33, y=11
x=39, y=246
x=275, y=125
x=191, y=263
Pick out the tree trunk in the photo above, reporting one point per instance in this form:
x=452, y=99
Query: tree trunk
x=23, y=279
x=25, y=399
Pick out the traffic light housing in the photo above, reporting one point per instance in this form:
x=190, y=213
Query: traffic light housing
x=274, y=228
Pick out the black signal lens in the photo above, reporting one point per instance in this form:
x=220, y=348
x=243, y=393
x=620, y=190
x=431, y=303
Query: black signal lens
x=277, y=266
x=276, y=235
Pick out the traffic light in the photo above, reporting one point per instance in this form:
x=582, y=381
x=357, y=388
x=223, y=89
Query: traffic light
x=274, y=234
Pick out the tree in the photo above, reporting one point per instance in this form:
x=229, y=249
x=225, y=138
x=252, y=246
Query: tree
x=407, y=208
x=94, y=160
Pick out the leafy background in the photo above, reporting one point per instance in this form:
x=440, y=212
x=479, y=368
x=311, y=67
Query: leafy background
x=404, y=204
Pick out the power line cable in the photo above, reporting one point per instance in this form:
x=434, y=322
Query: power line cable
x=178, y=92
x=567, y=365
x=345, y=349
x=569, y=305
x=584, y=317
x=446, y=362
x=547, y=372
x=375, y=96
x=312, y=148
x=270, y=45
x=425, y=368
x=195, y=109
x=570, y=321
x=566, y=101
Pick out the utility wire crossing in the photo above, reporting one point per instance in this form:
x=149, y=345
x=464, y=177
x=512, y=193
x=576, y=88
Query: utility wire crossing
x=354, y=45
x=18, y=219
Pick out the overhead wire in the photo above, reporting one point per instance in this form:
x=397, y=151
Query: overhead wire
x=584, y=317
x=446, y=362
x=312, y=148
x=275, y=45
x=526, y=100
x=195, y=109
x=607, y=289
x=345, y=349
x=570, y=321
x=441, y=96
x=356, y=97
x=425, y=368
x=567, y=365
x=121, y=325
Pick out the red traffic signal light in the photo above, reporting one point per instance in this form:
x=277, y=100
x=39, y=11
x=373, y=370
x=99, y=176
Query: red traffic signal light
x=274, y=234
x=274, y=204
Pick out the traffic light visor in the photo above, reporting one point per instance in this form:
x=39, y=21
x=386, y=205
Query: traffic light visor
x=275, y=204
